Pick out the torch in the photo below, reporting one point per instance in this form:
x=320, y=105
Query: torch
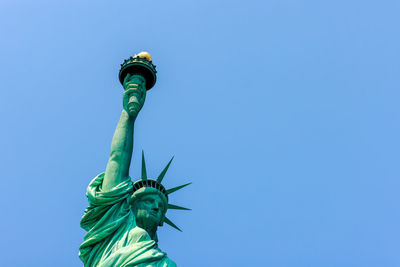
x=141, y=65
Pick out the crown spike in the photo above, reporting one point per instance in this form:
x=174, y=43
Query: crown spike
x=175, y=207
x=144, y=172
x=168, y=221
x=161, y=176
x=171, y=190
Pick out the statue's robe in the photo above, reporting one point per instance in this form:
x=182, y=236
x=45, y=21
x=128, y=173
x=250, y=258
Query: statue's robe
x=113, y=239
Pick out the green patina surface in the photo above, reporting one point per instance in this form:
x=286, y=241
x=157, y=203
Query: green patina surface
x=123, y=216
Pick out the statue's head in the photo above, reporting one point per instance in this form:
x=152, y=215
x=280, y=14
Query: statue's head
x=149, y=205
x=149, y=200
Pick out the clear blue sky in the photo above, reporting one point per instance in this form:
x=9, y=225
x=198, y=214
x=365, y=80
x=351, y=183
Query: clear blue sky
x=283, y=114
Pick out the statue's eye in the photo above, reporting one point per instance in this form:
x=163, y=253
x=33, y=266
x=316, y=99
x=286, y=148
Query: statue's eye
x=147, y=201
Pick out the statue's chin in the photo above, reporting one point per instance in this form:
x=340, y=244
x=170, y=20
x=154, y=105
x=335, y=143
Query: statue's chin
x=148, y=221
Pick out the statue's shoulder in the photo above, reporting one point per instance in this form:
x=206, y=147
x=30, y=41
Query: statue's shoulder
x=138, y=234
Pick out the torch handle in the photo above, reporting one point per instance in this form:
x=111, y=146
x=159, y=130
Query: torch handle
x=132, y=99
x=136, y=82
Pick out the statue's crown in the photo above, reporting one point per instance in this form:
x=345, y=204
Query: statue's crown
x=152, y=184
x=142, y=64
x=148, y=186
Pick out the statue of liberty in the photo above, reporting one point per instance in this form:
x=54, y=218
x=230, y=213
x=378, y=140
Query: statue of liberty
x=122, y=217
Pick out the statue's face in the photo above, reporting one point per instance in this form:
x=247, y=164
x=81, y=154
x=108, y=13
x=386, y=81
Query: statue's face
x=149, y=210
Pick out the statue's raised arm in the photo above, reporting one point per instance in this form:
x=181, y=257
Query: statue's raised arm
x=122, y=142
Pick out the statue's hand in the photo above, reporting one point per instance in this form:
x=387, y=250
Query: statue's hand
x=134, y=95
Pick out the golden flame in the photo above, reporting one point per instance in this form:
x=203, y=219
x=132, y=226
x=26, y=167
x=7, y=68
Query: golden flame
x=145, y=55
